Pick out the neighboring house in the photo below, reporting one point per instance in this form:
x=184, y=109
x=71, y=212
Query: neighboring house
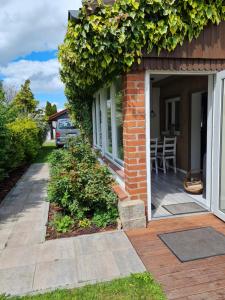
x=179, y=94
x=52, y=120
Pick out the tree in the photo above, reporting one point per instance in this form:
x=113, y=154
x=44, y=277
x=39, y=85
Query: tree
x=10, y=92
x=24, y=99
x=2, y=93
x=50, y=109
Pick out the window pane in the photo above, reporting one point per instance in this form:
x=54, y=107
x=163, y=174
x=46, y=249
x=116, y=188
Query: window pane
x=100, y=121
x=169, y=116
x=109, y=122
x=94, y=122
x=96, y=118
x=119, y=118
x=222, y=162
x=177, y=115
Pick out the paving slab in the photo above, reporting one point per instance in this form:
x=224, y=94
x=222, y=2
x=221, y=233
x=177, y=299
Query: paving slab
x=17, y=281
x=54, y=274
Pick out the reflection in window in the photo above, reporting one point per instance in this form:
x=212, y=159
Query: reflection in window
x=222, y=162
x=177, y=115
x=109, y=121
x=119, y=118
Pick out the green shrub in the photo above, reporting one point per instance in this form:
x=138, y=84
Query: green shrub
x=25, y=139
x=80, y=184
x=62, y=223
x=5, y=145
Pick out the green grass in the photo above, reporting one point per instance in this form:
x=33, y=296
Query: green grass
x=45, y=151
x=135, y=287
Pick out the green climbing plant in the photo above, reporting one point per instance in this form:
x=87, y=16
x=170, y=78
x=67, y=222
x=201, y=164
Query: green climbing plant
x=108, y=39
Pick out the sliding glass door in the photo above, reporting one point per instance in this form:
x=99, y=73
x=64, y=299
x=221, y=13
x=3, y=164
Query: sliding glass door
x=218, y=195
x=222, y=153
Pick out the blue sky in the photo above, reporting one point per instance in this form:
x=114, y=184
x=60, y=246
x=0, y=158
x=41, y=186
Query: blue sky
x=30, y=33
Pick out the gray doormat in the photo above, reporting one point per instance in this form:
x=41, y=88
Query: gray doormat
x=195, y=244
x=184, y=208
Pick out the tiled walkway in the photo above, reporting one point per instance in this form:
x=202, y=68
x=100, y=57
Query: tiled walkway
x=28, y=263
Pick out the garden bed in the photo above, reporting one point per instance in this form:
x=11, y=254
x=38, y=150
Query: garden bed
x=9, y=182
x=52, y=234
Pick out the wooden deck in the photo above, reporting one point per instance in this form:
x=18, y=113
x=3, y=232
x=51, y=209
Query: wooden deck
x=168, y=189
x=199, y=279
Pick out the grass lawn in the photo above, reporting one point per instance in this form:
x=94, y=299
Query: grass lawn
x=135, y=287
x=45, y=151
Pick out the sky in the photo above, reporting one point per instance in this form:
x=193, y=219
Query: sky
x=30, y=33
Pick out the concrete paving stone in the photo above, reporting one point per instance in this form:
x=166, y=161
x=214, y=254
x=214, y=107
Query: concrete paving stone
x=56, y=250
x=55, y=274
x=25, y=226
x=88, y=244
x=96, y=267
x=128, y=261
x=18, y=238
x=7, y=224
x=117, y=240
x=19, y=256
x=4, y=236
x=17, y=281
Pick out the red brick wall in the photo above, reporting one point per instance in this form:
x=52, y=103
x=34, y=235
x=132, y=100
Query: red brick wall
x=134, y=136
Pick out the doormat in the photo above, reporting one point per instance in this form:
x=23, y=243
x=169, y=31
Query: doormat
x=184, y=208
x=195, y=244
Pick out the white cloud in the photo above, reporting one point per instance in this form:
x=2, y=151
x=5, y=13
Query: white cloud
x=32, y=25
x=44, y=75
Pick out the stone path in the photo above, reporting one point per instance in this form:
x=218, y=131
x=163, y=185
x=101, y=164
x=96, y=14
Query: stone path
x=29, y=264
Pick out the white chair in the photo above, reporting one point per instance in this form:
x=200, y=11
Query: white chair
x=154, y=151
x=168, y=153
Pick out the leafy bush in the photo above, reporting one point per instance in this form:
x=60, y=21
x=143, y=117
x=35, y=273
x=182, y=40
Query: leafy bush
x=80, y=184
x=21, y=138
x=62, y=223
x=25, y=138
x=5, y=145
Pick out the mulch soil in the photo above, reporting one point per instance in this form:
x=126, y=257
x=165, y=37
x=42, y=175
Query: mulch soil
x=52, y=234
x=10, y=181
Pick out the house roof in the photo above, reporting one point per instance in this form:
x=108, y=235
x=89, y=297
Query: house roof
x=58, y=114
x=206, y=53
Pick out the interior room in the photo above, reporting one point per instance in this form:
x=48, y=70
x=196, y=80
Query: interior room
x=179, y=109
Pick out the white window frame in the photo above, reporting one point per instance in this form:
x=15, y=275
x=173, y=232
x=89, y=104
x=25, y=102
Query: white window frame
x=173, y=101
x=109, y=154
x=113, y=157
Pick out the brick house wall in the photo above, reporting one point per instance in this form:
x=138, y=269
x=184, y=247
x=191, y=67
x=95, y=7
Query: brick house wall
x=134, y=138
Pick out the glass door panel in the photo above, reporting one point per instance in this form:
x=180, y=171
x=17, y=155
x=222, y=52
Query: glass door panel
x=222, y=153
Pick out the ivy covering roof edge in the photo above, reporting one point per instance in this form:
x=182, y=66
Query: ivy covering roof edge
x=109, y=39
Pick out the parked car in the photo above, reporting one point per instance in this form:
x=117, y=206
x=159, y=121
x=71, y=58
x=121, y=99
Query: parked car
x=65, y=130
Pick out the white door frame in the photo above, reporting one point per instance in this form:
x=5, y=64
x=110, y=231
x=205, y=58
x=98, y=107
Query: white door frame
x=211, y=101
x=217, y=130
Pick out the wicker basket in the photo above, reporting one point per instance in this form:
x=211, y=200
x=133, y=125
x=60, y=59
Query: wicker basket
x=193, y=183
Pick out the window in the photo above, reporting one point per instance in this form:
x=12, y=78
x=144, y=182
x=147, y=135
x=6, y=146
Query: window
x=119, y=119
x=65, y=124
x=97, y=113
x=108, y=121
x=173, y=115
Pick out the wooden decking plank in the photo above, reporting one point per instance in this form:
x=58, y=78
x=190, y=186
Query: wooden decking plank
x=191, y=280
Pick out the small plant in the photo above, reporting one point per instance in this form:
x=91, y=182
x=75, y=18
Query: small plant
x=85, y=223
x=102, y=220
x=62, y=223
